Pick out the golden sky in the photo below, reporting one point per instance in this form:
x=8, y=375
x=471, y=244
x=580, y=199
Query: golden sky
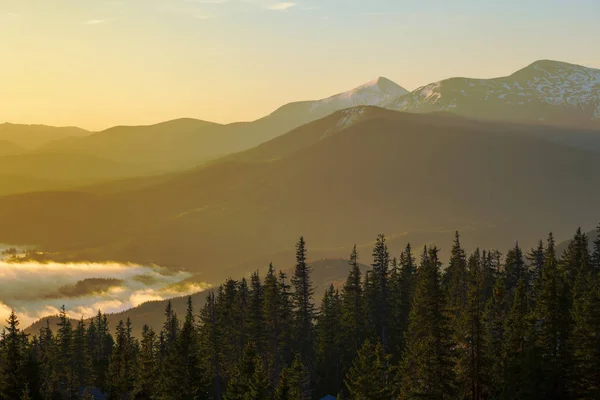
x=99, y=63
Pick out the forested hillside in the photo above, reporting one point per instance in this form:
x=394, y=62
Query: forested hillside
x=520, y=325
x=338, y=180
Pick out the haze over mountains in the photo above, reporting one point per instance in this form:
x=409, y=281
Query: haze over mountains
x=547, y=92
x=338, y=180
x=499, y=159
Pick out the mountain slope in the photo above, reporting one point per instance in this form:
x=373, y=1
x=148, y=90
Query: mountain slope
x=549, y=91
x=185, y=143
x=34, y=136
x=9, y=148
x=30, y=171
x=407, y=175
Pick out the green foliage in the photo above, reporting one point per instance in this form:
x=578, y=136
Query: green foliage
x=248, y=380
x=294, y=382
x=427, y=368
x=304, y=308
x=328, y=346
x=483, y=330
x=371, y=376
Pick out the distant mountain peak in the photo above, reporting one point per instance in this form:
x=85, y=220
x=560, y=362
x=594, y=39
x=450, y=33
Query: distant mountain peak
x=381, y=85
x=373, y=93
x=545, y=90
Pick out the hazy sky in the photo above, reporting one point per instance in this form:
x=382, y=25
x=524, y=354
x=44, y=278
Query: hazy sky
x=97, y=63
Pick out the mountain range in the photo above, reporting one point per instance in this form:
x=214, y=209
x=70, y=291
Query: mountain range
x=545, y=92
x=338, y=180
x=499, y=159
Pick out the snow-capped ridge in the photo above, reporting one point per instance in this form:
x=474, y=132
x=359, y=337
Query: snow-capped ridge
x=347, y=118
x=531, y=93
x=373, y=93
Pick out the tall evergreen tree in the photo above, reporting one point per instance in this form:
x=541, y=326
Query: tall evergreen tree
x=249, y=380
x=47, y=351
x=147, y=369
x=515, y=346
x=100, y=343
x=294, y=382
x=123, y=360
x=380, y=301
x=514, y=271
x=272, y=319
x=12, y=360
x=470, y=344
x=304, y=308
x=493, y=335
x=212, y=342
x=352, y=310
x=328, y=346
x=455, y=278
x=535, y=259
x=427, y=369
x=184, y=377
x=548, y=322
x=408, y=283
x=371, y=376
x=256, y=319
x=81, y=359
x=66, y=375
x=287, y=319
x=584, y=372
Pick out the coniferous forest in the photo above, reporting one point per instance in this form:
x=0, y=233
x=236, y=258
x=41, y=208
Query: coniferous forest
x=485, y=325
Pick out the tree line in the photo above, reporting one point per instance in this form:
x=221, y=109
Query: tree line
x=521, y=326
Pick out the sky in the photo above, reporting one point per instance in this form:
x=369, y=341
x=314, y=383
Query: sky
x=100, y=63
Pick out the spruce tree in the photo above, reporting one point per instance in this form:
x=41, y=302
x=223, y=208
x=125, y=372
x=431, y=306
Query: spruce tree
x=239, y=325
x=147, y=369
x=371, y=376
x=81, y=359
x=256, y=320
x=427, y=368
x=212, y=342
x=47, y=357
x=304, y=308
x=294, y=382
x=249, y=380
x=66, y=375
x=380, y=301
x=286, y=316
x=352, y=310
x=470, y=345
x=272, y=320
x=12, y=360
x=584, y=372
x=328, y=346
x=515, y=346
x=121, y=372
x=536, y=260
x=407, y=288
x=100, y=343
x=548, y=322
x=184, y=375
x=514, y=271
x=493, y=335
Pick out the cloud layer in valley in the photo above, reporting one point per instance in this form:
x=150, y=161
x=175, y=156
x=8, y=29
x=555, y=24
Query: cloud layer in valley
x=35, y=290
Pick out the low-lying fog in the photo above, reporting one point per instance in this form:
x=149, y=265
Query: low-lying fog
x=35, y=290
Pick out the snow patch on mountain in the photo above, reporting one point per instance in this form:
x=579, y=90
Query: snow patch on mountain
x=374, y=93
x=348, y=118
x=538, y=88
